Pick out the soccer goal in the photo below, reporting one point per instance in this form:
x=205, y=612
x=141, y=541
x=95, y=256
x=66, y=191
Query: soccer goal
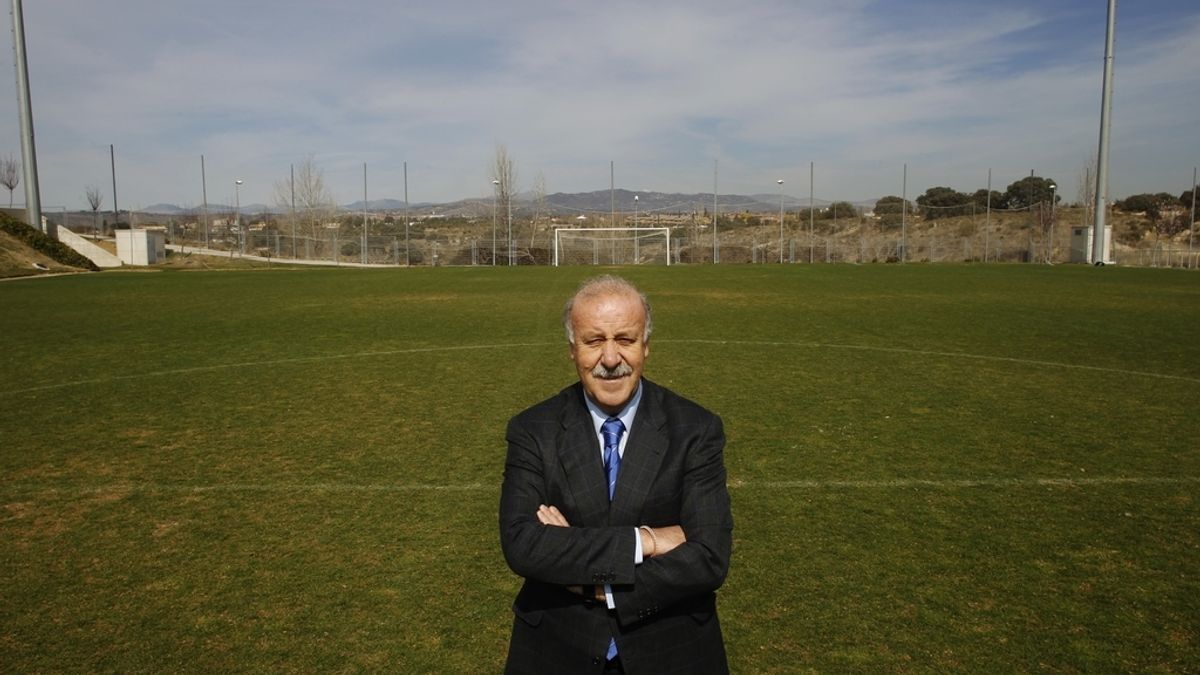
x=612, y=246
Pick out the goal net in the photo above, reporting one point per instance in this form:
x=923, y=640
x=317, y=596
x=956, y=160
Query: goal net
x=612, y=246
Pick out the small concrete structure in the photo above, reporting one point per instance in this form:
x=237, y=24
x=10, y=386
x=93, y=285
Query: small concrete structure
x=141, y=247
x=1081, y=244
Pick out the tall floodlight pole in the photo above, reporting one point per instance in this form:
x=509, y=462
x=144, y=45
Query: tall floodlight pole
x=716, y=250
x=612, y=195
x=112, y=157
x=204, y=196
x=1098, y=235
x=292, y=188
x=904, y=216
x=508, y=196
x=812, y=209
x=364, y=232
x=780, y=183
x=407, y=261
x=237, y=201
x=33, y=199
x=1192, y=221
x=495, y=191
x=987, y=219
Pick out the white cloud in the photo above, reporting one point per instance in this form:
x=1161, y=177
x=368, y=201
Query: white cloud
x=662, y=89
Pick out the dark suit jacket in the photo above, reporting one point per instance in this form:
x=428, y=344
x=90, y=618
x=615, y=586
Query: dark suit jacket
x=672, y=473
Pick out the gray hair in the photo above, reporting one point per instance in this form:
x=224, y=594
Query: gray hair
x=605, y=284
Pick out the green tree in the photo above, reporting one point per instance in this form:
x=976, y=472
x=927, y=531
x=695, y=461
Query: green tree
x=943, y=202
x=1029, y=191
x=1152, y=204
x=980, y=198
x=839, y=210
x=890, y=210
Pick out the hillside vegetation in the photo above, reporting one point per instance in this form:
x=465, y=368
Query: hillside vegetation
x=22, y=248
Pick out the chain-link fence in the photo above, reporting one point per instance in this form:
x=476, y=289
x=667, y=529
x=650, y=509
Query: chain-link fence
x=857, y=243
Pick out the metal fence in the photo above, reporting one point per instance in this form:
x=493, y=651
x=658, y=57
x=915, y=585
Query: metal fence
x=335, y=246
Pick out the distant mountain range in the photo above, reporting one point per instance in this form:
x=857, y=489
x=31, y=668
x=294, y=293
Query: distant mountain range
x=559, y=204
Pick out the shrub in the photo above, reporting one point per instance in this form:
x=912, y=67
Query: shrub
x=55, y=250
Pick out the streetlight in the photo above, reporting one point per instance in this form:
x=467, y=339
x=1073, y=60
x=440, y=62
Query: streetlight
x=636, y=252
x=237, y=200
x=1053, y=198
x=780, y=182
x=495, y=190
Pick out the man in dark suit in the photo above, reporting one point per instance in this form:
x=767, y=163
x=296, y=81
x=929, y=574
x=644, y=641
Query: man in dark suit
x=614, y=509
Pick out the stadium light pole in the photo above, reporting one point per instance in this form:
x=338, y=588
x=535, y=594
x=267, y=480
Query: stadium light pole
x=204, y=196
x=780, y=183
x=812, y=210
x=33, y=199
x=1192, y=222
x=495, y=191
x=716, y=247
x=508, y=195
x=407, y=259
x=1099, y=235
x=237, y=200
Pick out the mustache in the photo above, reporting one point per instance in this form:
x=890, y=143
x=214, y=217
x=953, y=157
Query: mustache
x=620, y=370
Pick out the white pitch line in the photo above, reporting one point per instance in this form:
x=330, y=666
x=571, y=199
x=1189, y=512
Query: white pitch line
x=928, y=352
x=454, y=348
x=949, y=483
x=273, y=362
x=976, y=482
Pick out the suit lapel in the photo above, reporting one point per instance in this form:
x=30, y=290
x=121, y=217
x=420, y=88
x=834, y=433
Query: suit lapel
x=579, y=456
x=643, y=456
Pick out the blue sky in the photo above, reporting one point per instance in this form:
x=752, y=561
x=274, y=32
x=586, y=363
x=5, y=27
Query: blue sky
x=662, y=89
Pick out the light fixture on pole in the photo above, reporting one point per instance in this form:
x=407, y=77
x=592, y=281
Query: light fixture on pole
x=780, y=182
x=636, y=252
x=237, y=219
x=495, y=190
x=1053, y=198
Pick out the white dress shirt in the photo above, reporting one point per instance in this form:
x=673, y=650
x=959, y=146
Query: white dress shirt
x=599, y=417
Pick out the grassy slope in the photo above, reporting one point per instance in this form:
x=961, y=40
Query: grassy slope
x=261, y=499
x=24, y=245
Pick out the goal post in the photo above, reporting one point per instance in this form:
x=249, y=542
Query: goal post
x=612, y=246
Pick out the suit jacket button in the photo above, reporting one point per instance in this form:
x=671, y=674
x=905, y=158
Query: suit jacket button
x=596, y=660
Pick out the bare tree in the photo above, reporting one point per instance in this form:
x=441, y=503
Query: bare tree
x=94, y=199
x=10, y=175
x=504, y=172
x=313, y=200
x=1087, y=190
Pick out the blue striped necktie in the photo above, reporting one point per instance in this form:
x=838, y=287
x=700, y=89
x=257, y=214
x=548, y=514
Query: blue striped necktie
x=611, y=430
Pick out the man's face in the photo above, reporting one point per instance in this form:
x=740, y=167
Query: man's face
x=609, y=350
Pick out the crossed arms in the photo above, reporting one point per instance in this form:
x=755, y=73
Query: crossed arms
x=688, y=556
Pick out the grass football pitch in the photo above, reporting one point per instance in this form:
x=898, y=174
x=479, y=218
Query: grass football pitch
x=947, y=468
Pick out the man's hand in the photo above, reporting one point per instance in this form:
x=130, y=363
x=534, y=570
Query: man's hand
x=660, y=540
x=550, y=515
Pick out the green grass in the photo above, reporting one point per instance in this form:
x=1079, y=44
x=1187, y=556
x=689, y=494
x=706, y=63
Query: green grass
x=299, y=470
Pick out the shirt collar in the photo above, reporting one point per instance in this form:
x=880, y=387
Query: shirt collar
x=626, y=415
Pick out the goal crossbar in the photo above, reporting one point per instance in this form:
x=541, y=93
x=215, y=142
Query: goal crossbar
x=584, y=232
